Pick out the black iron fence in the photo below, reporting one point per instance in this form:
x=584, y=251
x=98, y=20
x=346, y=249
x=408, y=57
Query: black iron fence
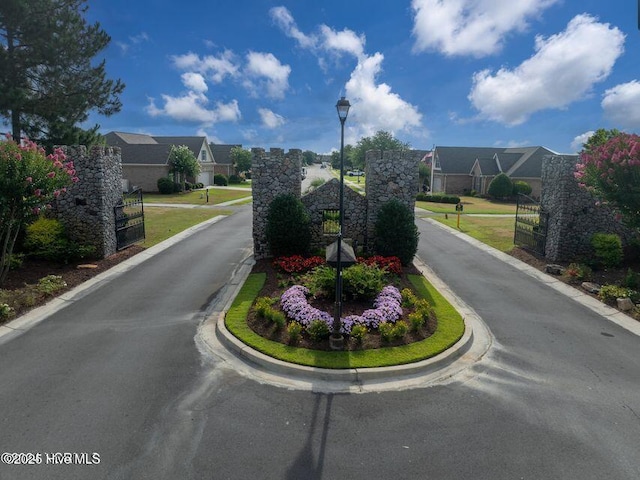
x=129, y=220
x=531, y=225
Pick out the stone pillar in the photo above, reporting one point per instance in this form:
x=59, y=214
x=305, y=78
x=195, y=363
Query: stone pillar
x=86, y=209
x=573, y=213
x=390, y=175
x=272, y=174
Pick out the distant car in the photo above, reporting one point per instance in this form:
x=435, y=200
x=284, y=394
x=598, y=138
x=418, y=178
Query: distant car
x=355, y=173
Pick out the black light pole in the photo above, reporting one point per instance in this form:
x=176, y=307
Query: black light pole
x=336, y=341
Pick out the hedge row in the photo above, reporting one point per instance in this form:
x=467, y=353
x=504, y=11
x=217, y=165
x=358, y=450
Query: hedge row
x=423, y=197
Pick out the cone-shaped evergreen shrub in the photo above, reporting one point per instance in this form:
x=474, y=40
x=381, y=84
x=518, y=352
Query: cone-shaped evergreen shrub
x=501, y=186
x=288, y=226
x=396, y=232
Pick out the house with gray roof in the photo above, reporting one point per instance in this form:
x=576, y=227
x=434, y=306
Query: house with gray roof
x=145, y=158
x=459, y=170
x=222, y=154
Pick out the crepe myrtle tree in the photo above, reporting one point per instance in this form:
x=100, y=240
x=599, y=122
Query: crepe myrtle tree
x=611, y=172
x=29, y=181
x=241, y=159
x=183, y=164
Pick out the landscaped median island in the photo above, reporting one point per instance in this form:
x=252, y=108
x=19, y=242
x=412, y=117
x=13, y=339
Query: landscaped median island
x=406, y=320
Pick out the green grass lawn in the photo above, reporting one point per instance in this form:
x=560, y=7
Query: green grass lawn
x=161, y=223
x=198, y=197
x=471, y=205
x=496, y=232
x=450, y=329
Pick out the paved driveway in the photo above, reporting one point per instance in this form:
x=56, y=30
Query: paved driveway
x=120, y=372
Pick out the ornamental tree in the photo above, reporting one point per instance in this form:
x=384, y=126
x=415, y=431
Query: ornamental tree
x=611, y=172
x=241, y=159
x=29, y=181
x=182, y=163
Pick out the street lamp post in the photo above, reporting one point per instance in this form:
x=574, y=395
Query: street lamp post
x=336, y=340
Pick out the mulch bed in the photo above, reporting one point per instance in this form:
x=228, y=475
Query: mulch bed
x=273, y=288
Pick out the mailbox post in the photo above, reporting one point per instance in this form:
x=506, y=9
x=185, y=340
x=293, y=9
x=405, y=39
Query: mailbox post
x=459, y=209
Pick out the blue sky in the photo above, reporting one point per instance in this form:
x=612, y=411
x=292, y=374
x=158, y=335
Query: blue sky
x=445, y=72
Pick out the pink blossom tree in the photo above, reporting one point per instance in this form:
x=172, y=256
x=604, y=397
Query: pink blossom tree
x=611, y=172
x=29, y=181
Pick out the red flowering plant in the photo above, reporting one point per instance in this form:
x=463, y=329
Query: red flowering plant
x=29, y=181
x=611, y=172
x=297, y=263
x=390, y=264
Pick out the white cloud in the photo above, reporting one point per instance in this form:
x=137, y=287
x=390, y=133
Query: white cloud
x=142, y=37
x=214, y=67
x=267, y=70
x=563, y=70
x=470, y=27
x=194, y=81
x=270, y=119
x=210, y=136
x=345, y=41
x=191, y=107
x=375, y=106
x=283, y=18
x=580, y=140
x=622, y=104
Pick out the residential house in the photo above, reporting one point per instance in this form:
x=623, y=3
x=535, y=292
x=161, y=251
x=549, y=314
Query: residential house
x=459, y=170
x=145, y=158
x=222, y=154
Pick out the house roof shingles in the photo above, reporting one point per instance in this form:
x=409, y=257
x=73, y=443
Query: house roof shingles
x=150, y=150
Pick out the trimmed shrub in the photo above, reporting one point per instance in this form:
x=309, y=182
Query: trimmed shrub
x=396, y=233
x=607, y=249
x=166, y=186
x=520, y=186
x=235, y=179
x=358, y=332
x=416, y=320
x=220, y=180
x=46, y=238
x=362, y=281
x=631, y=279
x=438, y=198
x=294, y=329
x=288, y=226
x=318, y=330
x=501, y=186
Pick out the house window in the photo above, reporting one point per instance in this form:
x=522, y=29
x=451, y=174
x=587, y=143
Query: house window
x=203, y=155
x=330, y=222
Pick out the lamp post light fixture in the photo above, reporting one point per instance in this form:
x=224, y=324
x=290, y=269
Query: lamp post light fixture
x=336, y=340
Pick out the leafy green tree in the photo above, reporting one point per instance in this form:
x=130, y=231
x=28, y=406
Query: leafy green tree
x=382, y=140
x=600, y=137
x=309, y=157
x=611, y=172
x=183, y=164
x=29, y=182
x=335, y=157
x=501, y=186
x=47, y=76
x=424, y=172
x=241, y=159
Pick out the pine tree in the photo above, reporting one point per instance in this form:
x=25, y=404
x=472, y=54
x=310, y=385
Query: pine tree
x=47, y=78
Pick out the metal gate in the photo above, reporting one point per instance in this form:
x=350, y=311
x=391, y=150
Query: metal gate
x=129, y=220
x=531, y=225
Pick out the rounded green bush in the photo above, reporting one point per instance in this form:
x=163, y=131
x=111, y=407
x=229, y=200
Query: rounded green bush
x=166, y=186
x=220, y=180
x=501, y=186
x=607, y=249
x=520, y=186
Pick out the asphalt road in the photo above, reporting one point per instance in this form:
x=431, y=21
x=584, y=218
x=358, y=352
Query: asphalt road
x=120, y=373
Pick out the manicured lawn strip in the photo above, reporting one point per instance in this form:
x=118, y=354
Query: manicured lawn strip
x=496, y=232
x=450, y=329
x=471, y=205
x=216, y=196
x=161, y=223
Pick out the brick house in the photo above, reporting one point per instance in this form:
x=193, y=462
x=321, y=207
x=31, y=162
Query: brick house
x=145, y=158
x=458, y=170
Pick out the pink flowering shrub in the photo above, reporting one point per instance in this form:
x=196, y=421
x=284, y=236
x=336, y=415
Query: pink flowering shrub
x=29, y=181
x=611, y=172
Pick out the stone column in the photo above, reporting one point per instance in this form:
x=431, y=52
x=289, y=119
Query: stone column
x=86, y=209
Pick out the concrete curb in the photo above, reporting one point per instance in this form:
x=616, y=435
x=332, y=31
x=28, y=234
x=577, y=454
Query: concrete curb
x=473, y=345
